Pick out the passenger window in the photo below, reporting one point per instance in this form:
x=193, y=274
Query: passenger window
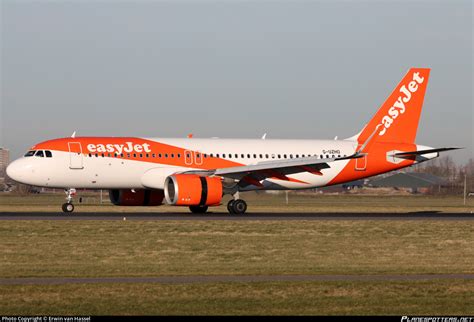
x=261, y=156
x=279, y=156
x=236, y=156
x=248, y=156
x=48, y=154
x=147, y=155
x=217, y=155
x=230, y=155
x=242, y=156
x=284, y=156
x=166, y=155
x=172, y=155
x=153, y=155
x=179, y=155
x=254, y=156
x=291, y=156
x=159, y=155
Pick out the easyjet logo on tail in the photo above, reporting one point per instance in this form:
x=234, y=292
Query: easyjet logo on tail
x=119, y=148
x=399, y=106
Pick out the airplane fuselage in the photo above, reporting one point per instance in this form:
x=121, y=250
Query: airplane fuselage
x=135, y=163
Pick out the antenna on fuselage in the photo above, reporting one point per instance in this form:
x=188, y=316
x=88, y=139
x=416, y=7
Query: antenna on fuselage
x=73, y=135
x=264, y=136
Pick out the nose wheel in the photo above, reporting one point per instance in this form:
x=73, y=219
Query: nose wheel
x=68, y=206
x=237, y=207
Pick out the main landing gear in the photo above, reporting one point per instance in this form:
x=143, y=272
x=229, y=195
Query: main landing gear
x=68, y=206
x=237, y=206
x=198, y=209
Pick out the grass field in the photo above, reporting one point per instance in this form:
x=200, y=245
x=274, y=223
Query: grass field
x=162, y=248
x=257, y=202
x=329, y=298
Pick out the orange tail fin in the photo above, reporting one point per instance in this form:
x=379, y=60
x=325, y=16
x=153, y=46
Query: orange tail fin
x=398, y=116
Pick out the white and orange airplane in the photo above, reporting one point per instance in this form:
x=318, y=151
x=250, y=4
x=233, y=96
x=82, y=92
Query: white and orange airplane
x=197, y=173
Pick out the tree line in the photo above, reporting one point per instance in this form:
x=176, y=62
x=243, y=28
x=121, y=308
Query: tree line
x=454, y=174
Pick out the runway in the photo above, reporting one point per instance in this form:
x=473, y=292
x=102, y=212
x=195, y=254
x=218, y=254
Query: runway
x=225, y=216
x=230, y=279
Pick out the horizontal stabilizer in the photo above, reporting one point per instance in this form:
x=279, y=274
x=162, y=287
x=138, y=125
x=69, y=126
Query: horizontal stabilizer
x=421, y=152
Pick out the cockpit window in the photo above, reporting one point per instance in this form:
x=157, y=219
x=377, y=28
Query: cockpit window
x=39, y=153
x=29, y=153
x=48, y=154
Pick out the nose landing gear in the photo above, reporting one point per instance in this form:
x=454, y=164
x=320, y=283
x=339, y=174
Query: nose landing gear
x=68, y=206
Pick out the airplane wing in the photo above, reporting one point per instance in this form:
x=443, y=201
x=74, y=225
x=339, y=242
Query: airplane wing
x=279, y=169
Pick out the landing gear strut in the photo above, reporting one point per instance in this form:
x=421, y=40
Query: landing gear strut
x=237, y=206
x=68, y=206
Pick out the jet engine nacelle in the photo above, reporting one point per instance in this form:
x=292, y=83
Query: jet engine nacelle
x=193, y=190
x=138, y=197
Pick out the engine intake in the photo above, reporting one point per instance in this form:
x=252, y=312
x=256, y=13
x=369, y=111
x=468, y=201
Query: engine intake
x=193, y=190
x=141, y=197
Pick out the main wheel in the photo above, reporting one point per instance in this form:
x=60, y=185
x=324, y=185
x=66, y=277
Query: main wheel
x=68, y=207
x=239, y=207
x=198, y=209
x=230, y=204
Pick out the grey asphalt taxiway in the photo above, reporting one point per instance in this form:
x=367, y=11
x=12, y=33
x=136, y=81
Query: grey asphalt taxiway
x=226, y=216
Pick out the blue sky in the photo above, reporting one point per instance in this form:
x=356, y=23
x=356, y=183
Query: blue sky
x=293, y=69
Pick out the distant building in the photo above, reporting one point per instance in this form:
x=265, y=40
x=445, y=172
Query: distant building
x=411, y=180
x=4, y=161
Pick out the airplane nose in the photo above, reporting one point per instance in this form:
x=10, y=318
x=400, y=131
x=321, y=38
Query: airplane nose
x=13, y=171
x=16, y=171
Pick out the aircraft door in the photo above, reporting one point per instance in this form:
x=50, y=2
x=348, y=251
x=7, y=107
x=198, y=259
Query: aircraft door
x=75, y=155
x=188, y=157
x=361, y=163
x=198, y=158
